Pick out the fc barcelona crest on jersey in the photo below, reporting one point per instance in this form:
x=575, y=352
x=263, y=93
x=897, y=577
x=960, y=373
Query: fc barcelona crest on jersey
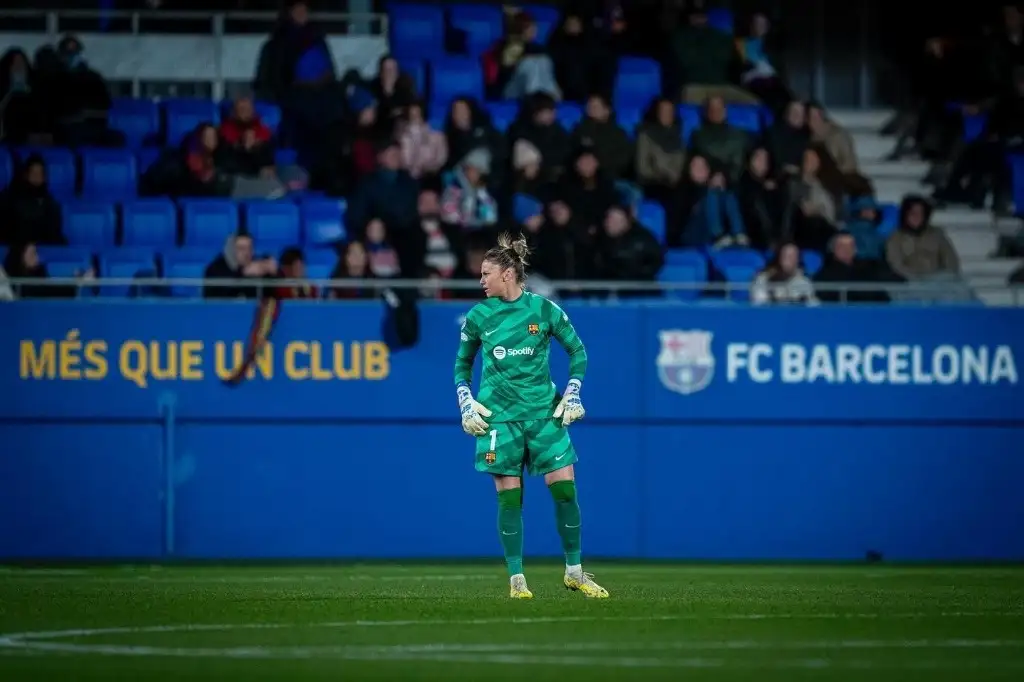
x=490, y=458
x=533, y=328
x=685, y=362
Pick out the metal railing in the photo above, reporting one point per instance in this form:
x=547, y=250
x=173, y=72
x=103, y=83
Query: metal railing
x=156, y=287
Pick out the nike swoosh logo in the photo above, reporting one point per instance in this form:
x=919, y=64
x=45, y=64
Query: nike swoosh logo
x=504, y=533
x=490, y=332
x=561, y=456
x=568, y=526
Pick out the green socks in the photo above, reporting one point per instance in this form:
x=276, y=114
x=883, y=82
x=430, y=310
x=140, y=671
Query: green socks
x=510, y=528
x=567, y=513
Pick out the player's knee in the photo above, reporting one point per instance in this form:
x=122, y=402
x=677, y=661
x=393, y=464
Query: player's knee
x=510, y=499
x=563, y=491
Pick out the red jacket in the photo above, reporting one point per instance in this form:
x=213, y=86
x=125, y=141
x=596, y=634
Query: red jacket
x=232, y=130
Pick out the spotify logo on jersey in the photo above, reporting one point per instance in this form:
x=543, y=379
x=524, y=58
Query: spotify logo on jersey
x=500, y=352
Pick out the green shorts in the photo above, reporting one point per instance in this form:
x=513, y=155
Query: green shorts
x=538, y=445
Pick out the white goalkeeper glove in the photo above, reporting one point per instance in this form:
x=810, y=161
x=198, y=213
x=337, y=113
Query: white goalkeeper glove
x=570, y=409
x=472, y=412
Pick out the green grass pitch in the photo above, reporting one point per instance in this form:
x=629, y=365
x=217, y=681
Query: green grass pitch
x=455, y=623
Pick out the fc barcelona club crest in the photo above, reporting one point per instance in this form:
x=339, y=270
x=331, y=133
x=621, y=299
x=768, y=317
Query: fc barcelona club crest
x=490, y=458
x=533, y=328
x=685, y=363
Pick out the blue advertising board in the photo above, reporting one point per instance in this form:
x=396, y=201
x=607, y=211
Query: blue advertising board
x=711, y=433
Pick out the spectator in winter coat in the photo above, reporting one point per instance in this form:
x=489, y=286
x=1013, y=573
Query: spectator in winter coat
x=28, y=212
x=516, y=66
x=862, y=226
x=382, y=254
x=706, y=60
x=391, y=92
x=538, y=125
x=424, y=150
x=587, y=191
x=467, y=202
x=783, y=280
x=599, y=131
x=628, y=251
x=583, y=61
x=843, y=265
x=388, y=193
x=788, y=139
x=467, y=128
x=813, y=210
x=237, y=261
x=249, y=139
x=23, y=262
x=660, y=154
x=762, y=202
x=918, y=250
x=717, y=141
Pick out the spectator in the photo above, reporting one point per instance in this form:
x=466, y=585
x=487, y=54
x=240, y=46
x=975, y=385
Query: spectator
x=391, y=92
x=22, y=113
x=537, y=124
x=435, y=290
x=206, y=171
x=705, y=60
x=22, y=262
x=28, y=212
x=628, y=251
x=709, y=213
x=366, y=133
x=526, y=167
x=383, y=257
x=835, y=144
x=583, y=63
x=353, y=264
x=389, y=193
x=6, y=292
x=293, y=266
x=813, y=211
x=919, y=251
x=599, y=131
x=466, y=202
x=467, y=128
x=587, y=191
x=442, y=243
x=83, y=104
x=424, y=150
x=844, y=266
x=660, y=155
x=783, y=280
x=983, y=163
x=720, y=143
x=516, y=66
x=249, y=140
x=862, y=227
x=788, y=139
x=759, y=74
x=762, y=202
x=236, y=262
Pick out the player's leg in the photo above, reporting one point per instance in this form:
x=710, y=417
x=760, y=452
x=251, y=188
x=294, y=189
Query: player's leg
x=552, y=455
x=500, y=452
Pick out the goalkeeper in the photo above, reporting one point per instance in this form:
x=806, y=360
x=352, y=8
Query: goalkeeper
x=524, y=422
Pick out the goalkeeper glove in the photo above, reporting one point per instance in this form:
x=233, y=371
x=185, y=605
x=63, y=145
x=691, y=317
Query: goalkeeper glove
x=472, y=423
x=570, y=409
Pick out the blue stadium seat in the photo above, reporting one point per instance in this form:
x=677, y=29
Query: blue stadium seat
x=268, y=112
x=416, y=69
x=569, y=114
x=651, y=215
x=125, y=263
x=637, y=83
x=481, y=24
x=323, y=221
x=149, y=222
x=689, y=117
x=89, y=223
x=320, y=263
x=722, y=19
x=319, y=271
x=286, y=157
x=684, y=265
x=890, y=219
x=65, y=261
x=546, y=19
x=208, y=222
x=725, y=259
x=415, y=30
x=1016, y=162
x=629, y=118
x=739, y=277
x=138, y=119
x=187, y=263
x=745, y=117
x=273, y=224
x=502, y=114
x=974, y=126
x=108, y=173
x=61, y=169
x=181, y=116
x=812, y=261
x=146, y=157
x=6, y=167
x=452, y=77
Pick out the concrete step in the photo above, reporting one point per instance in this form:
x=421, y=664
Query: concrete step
x=861, y=120
x=1002, y=298
x=892, y=190
x=895, y=170
x=997, y=269
x=973, y=246
x=871, y=146
x=959, y=216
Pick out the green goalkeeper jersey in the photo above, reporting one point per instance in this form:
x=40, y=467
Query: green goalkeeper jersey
x=515, y=382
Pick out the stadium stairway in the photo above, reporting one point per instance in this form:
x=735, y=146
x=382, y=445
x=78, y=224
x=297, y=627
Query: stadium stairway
x=974, y=233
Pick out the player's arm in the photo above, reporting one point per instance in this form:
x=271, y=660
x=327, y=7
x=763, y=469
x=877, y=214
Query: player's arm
x=570, y=408
x=469, y=344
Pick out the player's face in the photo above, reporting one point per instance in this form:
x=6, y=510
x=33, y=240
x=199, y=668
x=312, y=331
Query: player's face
x=494, y=280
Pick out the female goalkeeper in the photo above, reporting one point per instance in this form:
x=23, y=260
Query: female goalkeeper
x=527, y=419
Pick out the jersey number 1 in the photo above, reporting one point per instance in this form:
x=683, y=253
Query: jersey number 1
x=494, y=439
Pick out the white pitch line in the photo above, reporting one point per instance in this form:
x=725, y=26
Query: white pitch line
x=79, y=578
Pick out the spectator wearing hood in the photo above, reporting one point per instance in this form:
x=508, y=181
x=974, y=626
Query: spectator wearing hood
x=527, y=162
x=862, y=226
x=537, y=123
x=721, y=143
x=28, y=212
x=466, y=202
x=709, y=214
x=467, y=128
x=917, y=250
x=600, y=131
x=424, y=150
x=587, y=190
x=237, y=261
x=83, y=103
x=844, y=265
x=23, y=115
x=628, y=252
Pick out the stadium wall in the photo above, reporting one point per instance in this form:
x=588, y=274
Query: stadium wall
x=715, y=433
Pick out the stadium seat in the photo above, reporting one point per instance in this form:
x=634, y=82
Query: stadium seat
x=482, y=26
x=812, y=261
x=974, y=126
x=268, y=112
x=724, y=259
x=744, y=117
x=187, y=263
x=273, y=224
x=651, y=215
x=1016, y=162
x=125, y=263
x=286, y=157
x=629, y=118
x=689, y=117
x=146, y=157
x=546, y=19
x=415, y=30
x=889, y=219
x=569, y=114
x=181, y=117
x=684, y=265
x=208, y=222
x=6, y=167
x=320, y=263
x=722, y=19
x=65, y=261
x=108, y=173
x=637, y=83
x=138, y=119
x=149, y=222
x=323, y=221
x=502, y=114
x=452, y=77
x=89, y=223
x=739, y=278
